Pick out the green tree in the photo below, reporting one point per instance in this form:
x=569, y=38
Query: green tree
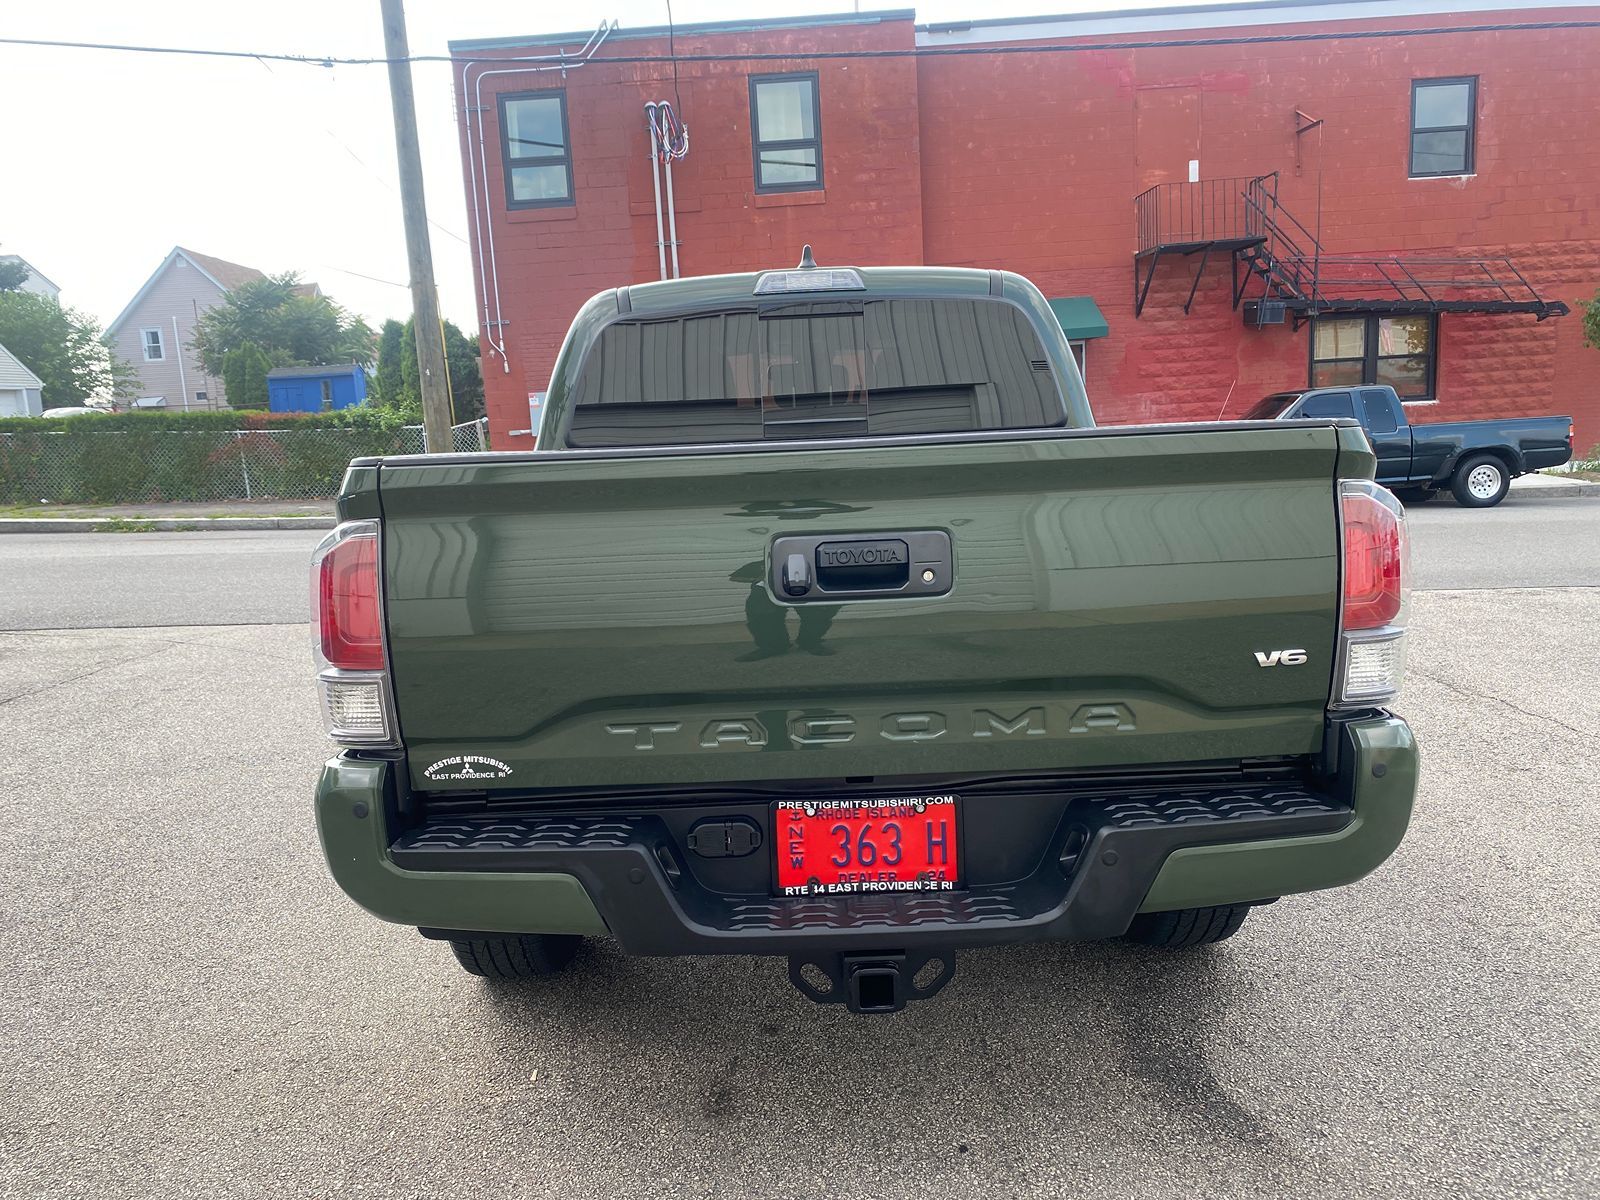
x=12, y=276
x=405, y=396
x=410, y=395
x=244, y=375
x=1591, y=321
x=466, y=380
x=290, y=327
x=386, y=383
x=62, y=346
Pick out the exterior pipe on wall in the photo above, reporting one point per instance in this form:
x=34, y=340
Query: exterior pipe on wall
x=655, y=183
x=177, y=348
x=672, y=218
x=488, y=266
x=669, y=140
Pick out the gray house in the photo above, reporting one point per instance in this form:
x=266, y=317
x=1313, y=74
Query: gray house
x=20, y=388
x=154, y=331
x=35, y=282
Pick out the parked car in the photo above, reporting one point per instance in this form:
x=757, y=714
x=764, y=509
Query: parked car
x=72, y=411
x=1475, y=460
x=825, y=624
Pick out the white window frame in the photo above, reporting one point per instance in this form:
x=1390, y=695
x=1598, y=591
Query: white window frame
x=161, y=344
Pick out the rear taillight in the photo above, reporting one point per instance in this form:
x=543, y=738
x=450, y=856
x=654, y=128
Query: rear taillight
x=1376, y=558
x=347, y=629
x=1374, y=553
x=349, y=619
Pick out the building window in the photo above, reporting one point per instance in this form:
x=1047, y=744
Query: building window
x=1399, y=351
x=535, y=149
x=327, y=395
x=154, y=350
x=786, y=132
x=1444, y=118
x=200, y=397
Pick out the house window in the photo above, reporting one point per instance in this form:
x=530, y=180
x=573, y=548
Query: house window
x=200, y=397
x=1399, y=351
x=786, y=132
x=154, y=350
x=1444, y=117
x=327, y=395
x=535, y=149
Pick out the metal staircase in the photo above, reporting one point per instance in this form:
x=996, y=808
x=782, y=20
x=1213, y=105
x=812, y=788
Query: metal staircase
x=1267, y=243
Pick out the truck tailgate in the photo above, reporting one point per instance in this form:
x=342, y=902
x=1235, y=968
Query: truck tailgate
x=606, y=620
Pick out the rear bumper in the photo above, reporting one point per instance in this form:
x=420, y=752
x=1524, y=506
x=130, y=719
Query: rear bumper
x=624, y=875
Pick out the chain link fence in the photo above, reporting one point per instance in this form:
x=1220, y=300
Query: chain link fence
x=166, y=465
x=470, y=438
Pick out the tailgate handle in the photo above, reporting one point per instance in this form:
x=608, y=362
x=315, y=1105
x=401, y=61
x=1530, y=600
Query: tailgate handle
x=876, y=565
x=861, y=566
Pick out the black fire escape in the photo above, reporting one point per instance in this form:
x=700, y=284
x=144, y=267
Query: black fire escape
x=1243, y=219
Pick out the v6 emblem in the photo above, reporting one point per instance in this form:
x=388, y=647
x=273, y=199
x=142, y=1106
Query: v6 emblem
x=1280, y=658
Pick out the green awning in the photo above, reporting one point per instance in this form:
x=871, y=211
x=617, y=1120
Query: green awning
x=1080, y=317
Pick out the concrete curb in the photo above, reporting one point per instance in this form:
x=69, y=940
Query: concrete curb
x=1577, y=487
x=157, y=524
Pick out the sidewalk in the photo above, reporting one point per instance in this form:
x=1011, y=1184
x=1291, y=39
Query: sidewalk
x=142, y=518
x=1541, y=485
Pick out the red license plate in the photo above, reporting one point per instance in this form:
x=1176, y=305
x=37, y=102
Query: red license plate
x=837, y=847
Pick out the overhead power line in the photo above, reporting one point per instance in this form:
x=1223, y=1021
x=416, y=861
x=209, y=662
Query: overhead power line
x=324, y=60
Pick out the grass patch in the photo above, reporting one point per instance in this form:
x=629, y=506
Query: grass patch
x=125, y=525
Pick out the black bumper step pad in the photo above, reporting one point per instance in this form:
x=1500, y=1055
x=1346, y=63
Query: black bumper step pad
x=1090, y=881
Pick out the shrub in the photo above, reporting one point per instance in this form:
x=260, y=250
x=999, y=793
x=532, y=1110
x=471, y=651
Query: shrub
x=360, y=417
x=136, y=458
x=244, y=375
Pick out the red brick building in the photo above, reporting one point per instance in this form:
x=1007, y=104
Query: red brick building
x=1404, y=191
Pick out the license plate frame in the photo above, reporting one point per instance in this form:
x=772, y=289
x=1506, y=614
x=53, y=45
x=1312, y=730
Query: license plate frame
x=804, y=830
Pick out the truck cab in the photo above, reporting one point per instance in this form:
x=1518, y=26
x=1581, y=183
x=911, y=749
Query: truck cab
x=1476, y=460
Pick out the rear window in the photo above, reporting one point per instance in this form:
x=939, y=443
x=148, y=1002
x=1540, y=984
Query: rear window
x=1268, y=407
x=1380, y=412
x=815, y=369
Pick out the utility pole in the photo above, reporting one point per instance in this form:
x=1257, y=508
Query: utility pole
x=431, y=368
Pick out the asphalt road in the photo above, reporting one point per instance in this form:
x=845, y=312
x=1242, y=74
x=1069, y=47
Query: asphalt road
x=1523, y=542
x=192, y=1008
x=139, y=580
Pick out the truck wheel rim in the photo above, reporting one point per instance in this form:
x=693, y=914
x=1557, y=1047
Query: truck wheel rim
x=1483, y=482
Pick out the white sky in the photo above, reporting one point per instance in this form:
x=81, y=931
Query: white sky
x=108, y=160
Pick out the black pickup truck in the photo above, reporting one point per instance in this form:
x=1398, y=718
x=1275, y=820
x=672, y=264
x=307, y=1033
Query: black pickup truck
x=1476, y=460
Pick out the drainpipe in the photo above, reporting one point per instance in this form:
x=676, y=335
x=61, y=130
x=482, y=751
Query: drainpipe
x=177, y=346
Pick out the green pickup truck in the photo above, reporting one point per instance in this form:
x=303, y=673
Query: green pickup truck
x=825, y=624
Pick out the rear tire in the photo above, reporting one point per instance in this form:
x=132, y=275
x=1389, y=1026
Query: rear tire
x=1481, y=482
x=516, y=955
x=1187, y=927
